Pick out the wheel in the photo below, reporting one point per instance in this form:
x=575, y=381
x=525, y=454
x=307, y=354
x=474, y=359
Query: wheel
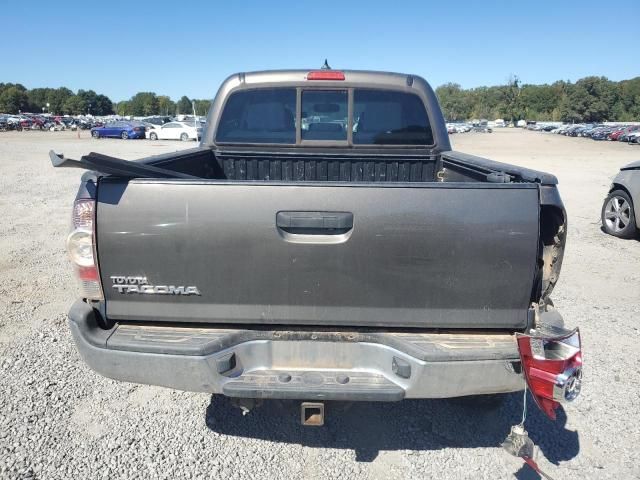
x=184, y=137
x=153, y=136
x=618, y=216
x=124, y=135
x=95, y=134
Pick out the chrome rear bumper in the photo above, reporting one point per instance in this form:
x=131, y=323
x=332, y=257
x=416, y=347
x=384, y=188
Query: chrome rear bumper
x=304, y=363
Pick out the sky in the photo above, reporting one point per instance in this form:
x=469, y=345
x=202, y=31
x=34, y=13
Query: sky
x=187, y=47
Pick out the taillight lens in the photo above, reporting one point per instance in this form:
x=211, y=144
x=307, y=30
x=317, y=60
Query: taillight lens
x=82, y=248
x=552, y=366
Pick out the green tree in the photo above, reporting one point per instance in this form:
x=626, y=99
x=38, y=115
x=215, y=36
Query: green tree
x=38, y=98
x=75, y=105
x=184, y=106
x=102, y=106
x=202, y=107
x=511, y=99
x=123, y=108
x=590, y=99
x=96, y=104
x=57, y=98
x=166, y=106
x=454, y=101
x=89, y=99
x=143, y=104
x=486, y=102
x=539, y=101
x=13, y=99
x=629, y=93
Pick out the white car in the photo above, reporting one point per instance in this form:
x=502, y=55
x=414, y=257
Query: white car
x=173, y=131
x=634, y=137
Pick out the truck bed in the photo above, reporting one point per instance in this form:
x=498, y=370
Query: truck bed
x=401, y=167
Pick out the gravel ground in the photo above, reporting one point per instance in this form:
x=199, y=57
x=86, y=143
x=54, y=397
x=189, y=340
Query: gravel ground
x=60, y=420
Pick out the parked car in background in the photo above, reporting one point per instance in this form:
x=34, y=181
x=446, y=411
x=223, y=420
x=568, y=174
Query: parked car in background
x=601, y=133
x=157, y=120
x=54, y=126
x=122, y=130
x=482, y=126
x=25, y=123
x=174, y=131
x=633, y=137
x=68, y=122
x=620, y=218
x=617, y=135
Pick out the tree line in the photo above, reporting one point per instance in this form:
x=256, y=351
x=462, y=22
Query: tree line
x=148, y=103
x=590, y=99
x=15, y=98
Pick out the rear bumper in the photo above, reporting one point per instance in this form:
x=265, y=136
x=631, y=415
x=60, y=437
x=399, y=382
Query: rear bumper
x=300, y=364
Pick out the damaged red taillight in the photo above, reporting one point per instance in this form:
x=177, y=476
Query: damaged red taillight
x=552, y=366
x=82, y=248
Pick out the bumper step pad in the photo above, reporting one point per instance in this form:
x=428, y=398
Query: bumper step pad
x=316, y=385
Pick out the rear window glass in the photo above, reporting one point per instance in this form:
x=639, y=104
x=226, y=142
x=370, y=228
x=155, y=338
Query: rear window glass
x=389, y=118
x=380, y=117
x=324, y=115
x=259, y=116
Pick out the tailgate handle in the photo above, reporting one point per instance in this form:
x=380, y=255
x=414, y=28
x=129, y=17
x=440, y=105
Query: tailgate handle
x=315, y=223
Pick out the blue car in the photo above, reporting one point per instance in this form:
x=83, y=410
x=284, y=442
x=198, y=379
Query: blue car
x=122, y=130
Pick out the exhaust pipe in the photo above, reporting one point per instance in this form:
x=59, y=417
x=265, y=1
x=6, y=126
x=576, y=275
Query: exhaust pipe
x=312, y=414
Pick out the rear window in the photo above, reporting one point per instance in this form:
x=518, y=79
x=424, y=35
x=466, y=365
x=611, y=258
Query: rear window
x=380, y=117
x=324, y=115
x=389, y=118
x=259, y=116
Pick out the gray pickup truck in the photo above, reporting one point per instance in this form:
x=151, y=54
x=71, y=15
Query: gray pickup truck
x=322, y=243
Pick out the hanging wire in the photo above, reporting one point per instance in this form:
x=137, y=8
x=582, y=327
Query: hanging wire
x=524, y=406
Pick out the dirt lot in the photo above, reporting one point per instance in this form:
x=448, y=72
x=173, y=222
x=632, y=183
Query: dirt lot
x=60, y=420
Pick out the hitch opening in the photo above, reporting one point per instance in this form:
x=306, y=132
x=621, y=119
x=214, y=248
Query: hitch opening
x=312, y=414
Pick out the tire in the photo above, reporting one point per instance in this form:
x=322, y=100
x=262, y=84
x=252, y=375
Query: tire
x=618, y=215
x=184, y=137
x=95, y=134
x=124, y=135
x=153, y=136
